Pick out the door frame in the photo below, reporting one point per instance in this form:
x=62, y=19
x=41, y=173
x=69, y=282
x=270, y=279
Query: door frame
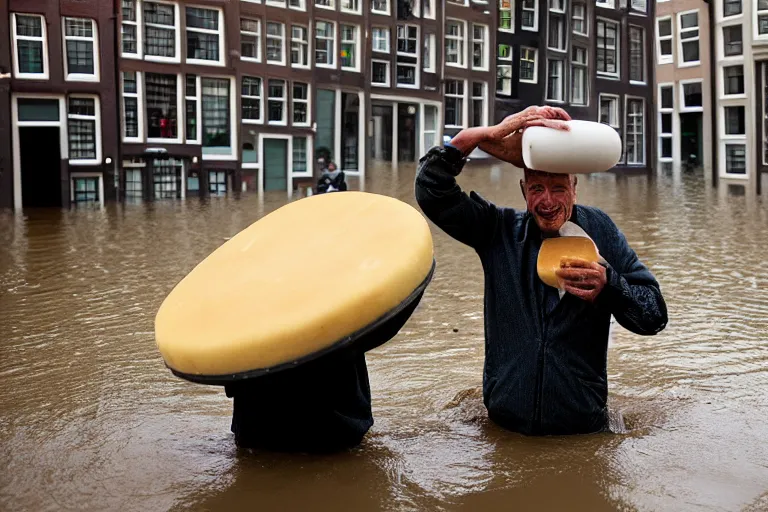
x=16, y=147
x=289, y=159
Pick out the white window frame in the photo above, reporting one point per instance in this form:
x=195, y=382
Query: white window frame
x=430, y=13
x=627, y=99
x=722, y=122
x=666, y=111
x=756, y=22
x=389, y=73
x=682, y=107
x=138, y=23
x=276, y=3
x=416, y=75
x=310, y=158
x=499, y=69
x=464, y=109
x=284, y=101
x=97, y=129
x=139, y=95
x=643, y=46
x=418, y=38
x=485, y=48
x=334, y=44
x=724, y=158
x=94, y=40
x=720, y=42
x=635, y=8
x=615, y=121
x=607, y=74
x=260, y=97
x=356, y=42
x=386, y=39
x=681, y=63
x=301, y=7
x=75, y=175
x=197, y=98
x=181, y=108
x=563, y=39
x=233, y=118
x=665, y=59
x=358, y=10
x=535, y=64
x=560, y=9
x=379, y=11
x=584, y=19
x=535, y=10
x=331, y=5
x=582, y=65
x=606, y=4
x=721, y=80
x=249, y=33
x=42, y=38
x=304, y=42
x=562, y=97
x=431, y=41
x=461, y=41
x=177, y=31
x=483, y=97
x=511, y=10
x=220, y=32
x=282, y=40
x=307, y=101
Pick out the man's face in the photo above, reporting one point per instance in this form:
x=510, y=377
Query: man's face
x=550, y=198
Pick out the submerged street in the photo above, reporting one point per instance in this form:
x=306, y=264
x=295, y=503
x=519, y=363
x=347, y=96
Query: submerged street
x=90, y=419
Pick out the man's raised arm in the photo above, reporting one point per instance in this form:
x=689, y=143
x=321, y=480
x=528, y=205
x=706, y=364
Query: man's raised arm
x=469, y=218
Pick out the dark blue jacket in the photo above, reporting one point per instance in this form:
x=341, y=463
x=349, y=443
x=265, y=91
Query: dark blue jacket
x=545, y=369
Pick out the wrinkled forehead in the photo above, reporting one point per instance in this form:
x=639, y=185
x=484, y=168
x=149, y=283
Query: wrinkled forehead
x=532, y=176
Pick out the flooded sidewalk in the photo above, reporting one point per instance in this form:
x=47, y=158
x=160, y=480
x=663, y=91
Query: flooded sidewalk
x=90, y=419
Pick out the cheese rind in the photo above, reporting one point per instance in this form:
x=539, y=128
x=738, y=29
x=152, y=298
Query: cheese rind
x=294, y=283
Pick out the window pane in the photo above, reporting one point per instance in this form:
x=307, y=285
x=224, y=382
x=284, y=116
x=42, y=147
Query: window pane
x=80, y=57
x=736, y=158
x=734, y=79
x=202, y=18
x=732, y=38
x=666, y=123
x=161, y=105
x=692, y=94
x=667, y=97
x=30, y=56
x=215, y=112
x=734, y=121
x=29, y=26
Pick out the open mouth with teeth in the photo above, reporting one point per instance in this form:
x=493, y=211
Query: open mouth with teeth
x=549, y=214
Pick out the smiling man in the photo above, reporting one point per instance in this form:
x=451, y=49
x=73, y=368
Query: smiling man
x=545, y=355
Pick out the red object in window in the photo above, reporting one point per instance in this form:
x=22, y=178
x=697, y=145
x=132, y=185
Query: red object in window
x=165, y=131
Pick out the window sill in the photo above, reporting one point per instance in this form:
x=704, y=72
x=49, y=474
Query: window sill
x=689, y=64
x=458, y=66
x=219, y=157
x=252, y=121
x=277, y=123
x=30, y=76
x=348, y=11
x=133, y=140
x=135, y=56
x=582, y=34
x=608, y=76
x=84, y=162
x=250, y=59
x=381, y=13
x=530, y=29
x=305, y=174
x=163, y=141
x=325, y=7
x=635, y=82
x=276, y=62
x=203, y=62
x=300, y=9
x=250, y=166
x=301, y=125
x=379, y=85
x=167, y=60
x=325, y=66
x=734, y=176
x=82, y=78
x=665, y=61
x=729, y=97
x=528, y=81
x=481, y=70
x=407, y=86
x=351, y=70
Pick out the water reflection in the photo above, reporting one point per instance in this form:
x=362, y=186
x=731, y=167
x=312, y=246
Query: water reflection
x=89, y=414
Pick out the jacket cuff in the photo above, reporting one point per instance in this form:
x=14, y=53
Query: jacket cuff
x=612, y=292
x=450, y=157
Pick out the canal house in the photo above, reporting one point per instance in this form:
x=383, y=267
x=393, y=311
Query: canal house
x=58, y=115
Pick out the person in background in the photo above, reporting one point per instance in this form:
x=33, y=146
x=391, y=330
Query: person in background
x=332, y=180
x=545, y=356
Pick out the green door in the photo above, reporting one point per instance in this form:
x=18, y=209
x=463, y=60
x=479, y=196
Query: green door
x=275, y=164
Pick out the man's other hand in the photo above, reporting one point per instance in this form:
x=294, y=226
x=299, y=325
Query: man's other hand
x=584, y=279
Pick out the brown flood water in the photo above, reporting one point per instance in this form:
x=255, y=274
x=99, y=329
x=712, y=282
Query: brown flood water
x=90, y=419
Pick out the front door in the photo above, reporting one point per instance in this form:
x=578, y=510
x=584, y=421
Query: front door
x=40, y=166
x=275, y=164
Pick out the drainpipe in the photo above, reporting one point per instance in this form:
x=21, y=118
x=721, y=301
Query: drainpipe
x=119, y=99
x=713, y=91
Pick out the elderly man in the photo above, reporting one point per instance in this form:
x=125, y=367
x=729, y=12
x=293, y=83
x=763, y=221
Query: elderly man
x=545, y=355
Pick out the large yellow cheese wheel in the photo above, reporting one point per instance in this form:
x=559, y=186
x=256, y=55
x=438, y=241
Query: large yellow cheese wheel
x=553, y=250
x=294, y=283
